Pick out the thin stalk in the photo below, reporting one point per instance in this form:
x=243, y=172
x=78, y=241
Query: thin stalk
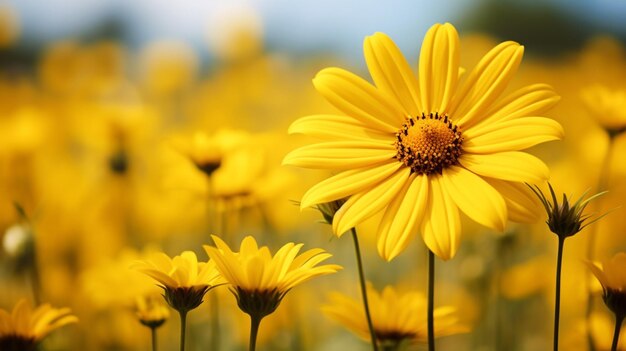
x=183, y=326
x=35, y=279
x=357, y=252
x=215, y=322
x=154, y=338
x=591, y=246
x=431, y=301
x=618, y=327
x=557, y=302
x=255, y=322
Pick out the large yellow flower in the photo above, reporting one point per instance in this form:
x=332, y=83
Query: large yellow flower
x=421, y=148
x=24, y=327
x=396, y=316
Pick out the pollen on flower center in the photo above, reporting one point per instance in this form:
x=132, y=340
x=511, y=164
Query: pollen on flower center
x=428, y=143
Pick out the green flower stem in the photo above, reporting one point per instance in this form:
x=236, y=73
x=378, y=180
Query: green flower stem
x=183, y=326
x=618, y=327
x=255, y=322
x=153, y=331
x=431, y=301
x=359, y=263
x=557, y=301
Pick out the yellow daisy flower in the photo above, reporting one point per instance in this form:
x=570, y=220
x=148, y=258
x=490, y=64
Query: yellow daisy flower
x=151, y=312
x=259, y=280
x=397, y=317
x=25, y=327
x=422, y=148
x=184, y=279
x=204, y=152
x=612, y=277
x=606, y=106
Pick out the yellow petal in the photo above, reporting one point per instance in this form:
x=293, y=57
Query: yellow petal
x=359, y=99
x=347, y=183
x=391, y=72
x=401, y=220
x=254, y=269
x=335, y=127
x=522, y=205
x=485, y=83
x=475, y=197
x=512, y=135
x=441, y=226
x=340, y=155
x=599, y=274
x=365, y=204
x=531, y=100
x=514, y=166
x=439, y=67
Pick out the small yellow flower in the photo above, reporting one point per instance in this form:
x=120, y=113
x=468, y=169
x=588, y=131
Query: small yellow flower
x=24, y=328
x=184, y=279
x=397, y=317
x=612, y=276
x=205, y=153
x=151, y=312
x=259, y=280
x=606, y=106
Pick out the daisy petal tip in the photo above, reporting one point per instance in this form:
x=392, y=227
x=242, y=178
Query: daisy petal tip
x=288, y=160
x=304, y=204
x=387, y=255
x=294, y=128
x=339, y=228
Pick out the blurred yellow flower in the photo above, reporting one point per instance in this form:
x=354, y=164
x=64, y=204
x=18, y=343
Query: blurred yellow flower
x=184, y=279
x=257, y=277
x=151, y=312
x=423, y=149
x=612, y=276
x=25, y=327
x=168, y=67
x=205, y=153
x=606, y=106
x=397, y=317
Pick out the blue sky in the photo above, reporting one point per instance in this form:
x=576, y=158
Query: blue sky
x=289, y=25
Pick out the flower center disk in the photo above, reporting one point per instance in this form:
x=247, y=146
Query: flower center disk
x=428, y=143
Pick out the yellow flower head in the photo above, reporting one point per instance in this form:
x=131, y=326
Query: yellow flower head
x=205, y=153
x=151, y=312
x=183, y=278
x=396, y=316
x=612, y=277
x=606, y=106
x=421, y=148
x=24, y=327
x=258, y=277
